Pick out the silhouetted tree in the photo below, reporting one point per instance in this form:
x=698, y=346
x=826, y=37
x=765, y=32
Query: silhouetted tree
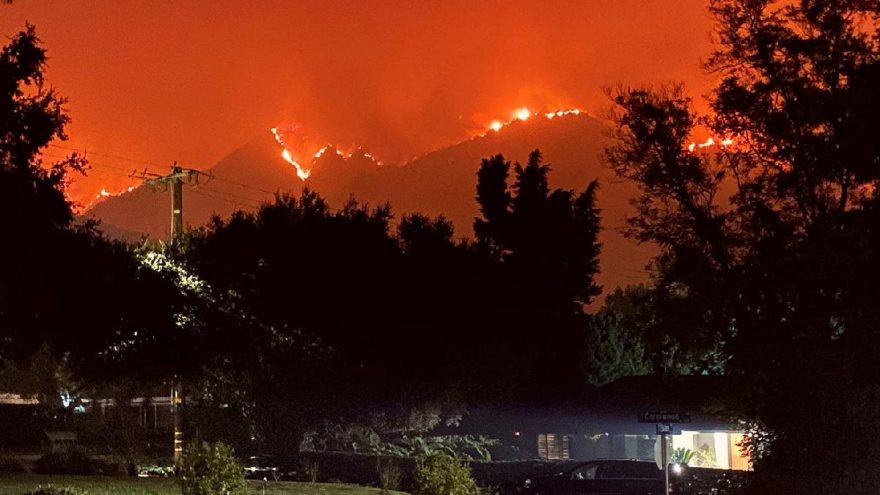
x=776, y=283
x=494, y=199
x=330, y=305
x=547, y=245
x=423, y=236
x=65, y=292
x=310, y=301
x=617, y=337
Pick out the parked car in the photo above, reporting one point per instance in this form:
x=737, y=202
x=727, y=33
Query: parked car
x=261, y=468
x=607, y=476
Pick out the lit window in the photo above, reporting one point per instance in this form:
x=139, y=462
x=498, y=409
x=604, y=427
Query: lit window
x=553, y=446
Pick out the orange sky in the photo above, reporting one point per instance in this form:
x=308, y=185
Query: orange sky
x=191, y=81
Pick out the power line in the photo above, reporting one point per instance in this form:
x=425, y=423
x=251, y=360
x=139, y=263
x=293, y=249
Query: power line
x=101, y=169
x=244, y=185
x=231, y=198
x=110, y=172
x=106, y=155
x=145, y=162
x=94, y=166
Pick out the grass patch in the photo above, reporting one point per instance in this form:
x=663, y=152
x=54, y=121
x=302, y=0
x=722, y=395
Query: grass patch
x=19, y=484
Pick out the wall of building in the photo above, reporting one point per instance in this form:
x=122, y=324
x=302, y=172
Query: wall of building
x=714, y=449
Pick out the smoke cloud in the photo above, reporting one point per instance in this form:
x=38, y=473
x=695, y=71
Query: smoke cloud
x=190, y=81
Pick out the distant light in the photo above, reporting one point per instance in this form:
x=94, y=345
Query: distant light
x=523, y=114
x=516, y=433
x=496, y=125
x=677, y=469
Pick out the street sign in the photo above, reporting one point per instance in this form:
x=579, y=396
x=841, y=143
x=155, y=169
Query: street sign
x=664, y=429
x=664, y=417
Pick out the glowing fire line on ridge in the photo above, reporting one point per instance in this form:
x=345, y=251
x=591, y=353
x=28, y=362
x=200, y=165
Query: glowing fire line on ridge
x=303, y=152
x=519, y=115
x=301, y=172
x=104, y=193
x=523, y=114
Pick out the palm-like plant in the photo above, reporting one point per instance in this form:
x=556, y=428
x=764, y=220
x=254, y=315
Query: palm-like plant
x=682, y=456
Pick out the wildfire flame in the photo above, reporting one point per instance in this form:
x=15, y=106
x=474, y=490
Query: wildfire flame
x=303, y=151
x=725, y=143
x=523, y=114
x=301, y=172
x=104, y=193
x=298, y=149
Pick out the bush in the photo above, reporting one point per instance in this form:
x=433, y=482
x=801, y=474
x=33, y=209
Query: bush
x=8, y=465
x=442, y=474
x=356, y=469
x=390, y=475
x=75, y=462
x=311, y=471
x=211, y=469
x=682, y=455
x=698, y=481
x=54, y=490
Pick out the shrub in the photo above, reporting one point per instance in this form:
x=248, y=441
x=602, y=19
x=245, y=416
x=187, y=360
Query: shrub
x=442, y=474
x=682, y=455
x=8, y=465
x=55, y=490
x=390, y=475
x=311, y=471
x=211, y=469
x=74, y=462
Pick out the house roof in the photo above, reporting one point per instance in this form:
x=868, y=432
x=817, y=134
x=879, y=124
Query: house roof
x=614, y=408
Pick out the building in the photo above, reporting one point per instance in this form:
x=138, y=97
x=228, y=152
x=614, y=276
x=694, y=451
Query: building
x=604, y=424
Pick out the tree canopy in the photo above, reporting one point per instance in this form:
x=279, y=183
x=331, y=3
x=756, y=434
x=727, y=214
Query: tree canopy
x=65, y=291
x=768, y=245
x=341, y=304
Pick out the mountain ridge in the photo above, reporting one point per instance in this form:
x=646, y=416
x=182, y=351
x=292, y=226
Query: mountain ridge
x=440, y=182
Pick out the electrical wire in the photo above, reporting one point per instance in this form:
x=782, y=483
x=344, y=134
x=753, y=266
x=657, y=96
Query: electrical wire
x=241, y=201
x=106, y=155
x=246, y=186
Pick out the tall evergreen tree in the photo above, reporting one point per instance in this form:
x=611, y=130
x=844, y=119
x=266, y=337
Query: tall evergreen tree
x=547, y=243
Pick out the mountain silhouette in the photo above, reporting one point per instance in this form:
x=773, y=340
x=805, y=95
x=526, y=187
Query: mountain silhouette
x=442, y=182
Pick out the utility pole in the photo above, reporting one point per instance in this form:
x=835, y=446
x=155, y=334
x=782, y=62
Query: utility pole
x=175, y=181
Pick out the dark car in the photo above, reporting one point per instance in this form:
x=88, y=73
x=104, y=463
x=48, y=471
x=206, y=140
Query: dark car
x=620, y=477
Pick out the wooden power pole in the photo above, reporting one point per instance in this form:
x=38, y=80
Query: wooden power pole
x=175, y=181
